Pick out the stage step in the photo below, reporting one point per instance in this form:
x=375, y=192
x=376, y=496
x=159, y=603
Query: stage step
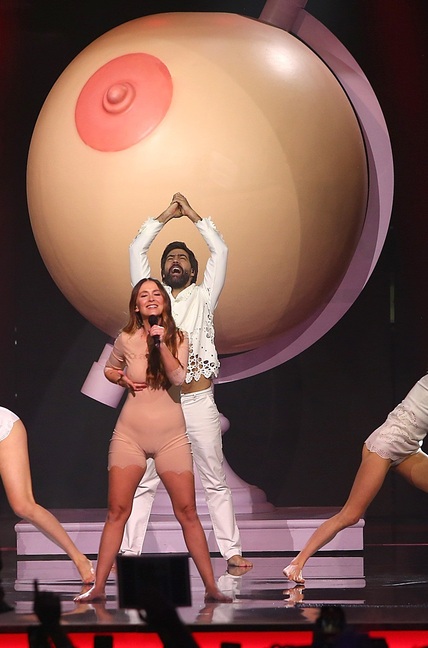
x=278, y=530
x=264, y=536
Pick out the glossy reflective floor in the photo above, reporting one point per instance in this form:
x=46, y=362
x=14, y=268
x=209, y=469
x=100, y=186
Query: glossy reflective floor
x=387, y=588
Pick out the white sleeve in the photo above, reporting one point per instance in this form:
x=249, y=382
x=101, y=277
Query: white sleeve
x=215, y=270
x=138, y=262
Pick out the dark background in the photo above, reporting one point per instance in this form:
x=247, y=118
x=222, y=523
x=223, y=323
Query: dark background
x=297, y=430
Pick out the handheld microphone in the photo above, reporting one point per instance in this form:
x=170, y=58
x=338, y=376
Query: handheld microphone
x=156, y=338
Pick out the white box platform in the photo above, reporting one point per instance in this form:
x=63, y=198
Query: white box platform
x=271, y=534
x=277, y=530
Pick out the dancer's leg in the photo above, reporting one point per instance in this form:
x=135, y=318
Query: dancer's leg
x=16, y=477
x=415, y=470
x=122, y=485
x=181, y=489
x=136, y=526
x=367, y=483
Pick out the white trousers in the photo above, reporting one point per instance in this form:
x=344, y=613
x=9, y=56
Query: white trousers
x=204, y=432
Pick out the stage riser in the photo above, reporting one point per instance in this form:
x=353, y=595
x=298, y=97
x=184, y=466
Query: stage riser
x=280, y=530
x=61, y=572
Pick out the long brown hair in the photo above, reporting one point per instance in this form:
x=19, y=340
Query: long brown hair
x=156, y=376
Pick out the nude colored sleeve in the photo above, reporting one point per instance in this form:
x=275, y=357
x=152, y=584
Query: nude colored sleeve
x=177, y=376
x=116, y=359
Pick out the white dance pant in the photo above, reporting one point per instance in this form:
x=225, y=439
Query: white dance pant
x=7, y=421
x=405, y=428
x=204, y=432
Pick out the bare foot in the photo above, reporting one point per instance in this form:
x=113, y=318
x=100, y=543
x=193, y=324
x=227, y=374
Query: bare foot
x=294, y=573
x=237, y=571
x=238, y=561
x=86, y=570
x=92, y=595
x=86, y=587
x=215, y=596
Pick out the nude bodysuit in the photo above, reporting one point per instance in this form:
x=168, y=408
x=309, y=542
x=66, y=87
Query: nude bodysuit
x=151, y=423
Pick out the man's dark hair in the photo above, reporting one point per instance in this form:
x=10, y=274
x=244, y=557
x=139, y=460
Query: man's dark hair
x=179, y=245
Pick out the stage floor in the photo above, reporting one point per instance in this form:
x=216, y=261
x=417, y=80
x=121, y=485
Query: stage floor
x=390, y=593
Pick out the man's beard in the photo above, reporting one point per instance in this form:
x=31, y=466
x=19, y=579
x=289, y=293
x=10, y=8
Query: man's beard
x=177, y=280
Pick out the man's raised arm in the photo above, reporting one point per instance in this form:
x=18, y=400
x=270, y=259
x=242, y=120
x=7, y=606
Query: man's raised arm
x=215, y=270
x=138, y=261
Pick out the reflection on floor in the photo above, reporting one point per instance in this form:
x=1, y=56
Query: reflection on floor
x=383, y=587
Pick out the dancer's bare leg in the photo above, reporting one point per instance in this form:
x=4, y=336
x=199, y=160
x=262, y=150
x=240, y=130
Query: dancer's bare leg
x=181, y=489
x=16, y=477
x=415, y=470
x=367, y=483
x=122, y=485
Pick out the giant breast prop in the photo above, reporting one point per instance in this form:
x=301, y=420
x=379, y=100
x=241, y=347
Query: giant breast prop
x=242, y=118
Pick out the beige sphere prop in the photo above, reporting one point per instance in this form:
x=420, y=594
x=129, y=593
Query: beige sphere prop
x=259, y=135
